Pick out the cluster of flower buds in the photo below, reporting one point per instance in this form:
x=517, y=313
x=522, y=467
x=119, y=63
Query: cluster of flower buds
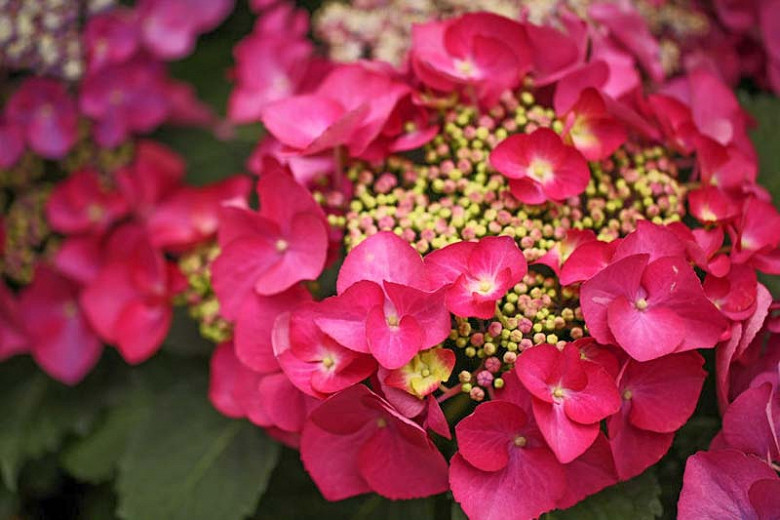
x=94, y=217
x=535, y=251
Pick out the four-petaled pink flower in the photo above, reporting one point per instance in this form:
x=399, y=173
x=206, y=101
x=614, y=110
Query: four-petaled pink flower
x=478, y=274
x=570, y=397
x=270, y=250
x=386, y=304
x=541, y=167
x=356, y=442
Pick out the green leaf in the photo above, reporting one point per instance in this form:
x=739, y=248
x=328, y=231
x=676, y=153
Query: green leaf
x=184, y=338
x=38, y=413
x=94, y=458
x=9, y=503
x=457, y=512
x=186, y=461
x=378, y=508
x=637, y=499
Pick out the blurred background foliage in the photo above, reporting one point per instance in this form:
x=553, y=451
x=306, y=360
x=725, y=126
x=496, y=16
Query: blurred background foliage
x=143, y=443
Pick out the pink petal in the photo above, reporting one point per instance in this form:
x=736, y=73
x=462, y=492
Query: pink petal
x=399, y=466
x=393, y=346
x=383, y=257
x=716, y=485
x=332, y=461
x=343, y=317
x=486, y=437
x=566, y=438
x=255, y=323
x=663, y=392
x=236, y=270
x=304, y=258
x=495, y=495
x=644, y=334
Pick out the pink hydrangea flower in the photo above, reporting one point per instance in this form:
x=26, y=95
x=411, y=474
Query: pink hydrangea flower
x=478, y=273
x=541, y=167
x=47, y=116
x=267, y=252
x=356, y=442
x=61, y=339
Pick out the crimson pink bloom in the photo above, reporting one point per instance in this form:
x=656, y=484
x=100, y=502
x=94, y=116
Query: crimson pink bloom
x=589, y=257
x=384, y=305
x=738, y=352
x=176, y=216
x=269, y=67
x=253, y=326
x=570, y=397
x=13, y=338
x=125, y=98
x=540, y=167
x=591, y=129
x=169, y=28
x=659, y=396
x=559, y=254
x=11, y=143
x=225, y=378
x=269, y=251
x=715, y=110
x=554, y=53
x=427, y=412
x=499, y=446
x=349, y=108
x=46, y=114
x=267, y=400
x=110, y=38
x=190, y=214
x=129, y=301
x=156, y=171
x=313, y=361
x=82, y=204
x=756, y=238
x=728, y=484
x=623, y=77
x=305, y=169
x=711, y=205
x=626, y=25
x=481, y=51
x=726, y=167
x=735, y=294
x=751, y=422
x=407, y=128
x=356, y=442
x=478, y=274
x=61, y=340
x=650, y=308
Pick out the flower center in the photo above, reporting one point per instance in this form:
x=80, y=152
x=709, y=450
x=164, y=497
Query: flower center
x=520, y=441
x=641, y=304
x=328, y=361
x=392, y=320
x=69, y=309
x=558, y=392
x=94, y=212
x=540, y=170
x=485, y=286
x=465, y=67
x=627, y=395
x=281, y=245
